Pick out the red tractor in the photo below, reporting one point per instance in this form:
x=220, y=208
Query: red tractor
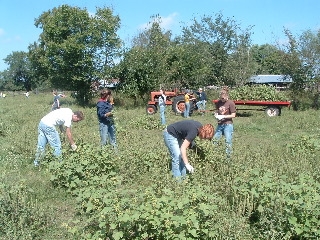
x=174, y=98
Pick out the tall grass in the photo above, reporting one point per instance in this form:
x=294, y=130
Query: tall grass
x=263, y=148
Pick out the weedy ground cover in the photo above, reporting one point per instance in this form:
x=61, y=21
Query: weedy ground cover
x=269, y=189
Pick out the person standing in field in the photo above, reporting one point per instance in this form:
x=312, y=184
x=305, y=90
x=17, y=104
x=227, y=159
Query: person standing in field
x=201, y=104
x=162, y=106
x=186, y=104
x=107, y=127
x=47, y=132
x=178, y=137
x=224, y=113
x=56, y=100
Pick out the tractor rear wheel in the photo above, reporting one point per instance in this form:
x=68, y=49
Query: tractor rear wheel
x=151, y=109
x=178, y=105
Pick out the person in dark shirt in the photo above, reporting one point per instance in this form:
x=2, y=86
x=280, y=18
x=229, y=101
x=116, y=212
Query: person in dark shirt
x=107, y=127
x=201, y=104
x=178, y=137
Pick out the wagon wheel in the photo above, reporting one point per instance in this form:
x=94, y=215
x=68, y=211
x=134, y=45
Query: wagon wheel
x=273, y=111
x=151, y=109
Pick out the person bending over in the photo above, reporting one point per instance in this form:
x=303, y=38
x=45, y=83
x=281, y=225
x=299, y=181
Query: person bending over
x=178, y=137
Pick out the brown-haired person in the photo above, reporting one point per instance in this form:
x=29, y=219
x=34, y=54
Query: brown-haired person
x=178, y=137
x=225, y=112
x=47, y=132
x=107, y=127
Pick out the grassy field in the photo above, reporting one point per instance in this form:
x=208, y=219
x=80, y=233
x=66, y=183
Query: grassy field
x=34, y=206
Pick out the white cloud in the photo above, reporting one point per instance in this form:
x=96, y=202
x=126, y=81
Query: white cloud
x=167, y=23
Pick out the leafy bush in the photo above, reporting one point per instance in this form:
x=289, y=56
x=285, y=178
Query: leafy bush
x=301, y=103
x=97, y=194
x=305, y=146
x=83, y=167
x=181, y=212
x=20, y=216
x=258, y=93
x=279, y=209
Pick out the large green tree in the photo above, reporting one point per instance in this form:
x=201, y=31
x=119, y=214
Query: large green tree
x=210, y=51
x=144, y=66
x=75, y=48
x=271, y=59
x=214, y=43
x=18, y=76
x=309, y=52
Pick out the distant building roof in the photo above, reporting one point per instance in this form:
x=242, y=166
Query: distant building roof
x=272, y=79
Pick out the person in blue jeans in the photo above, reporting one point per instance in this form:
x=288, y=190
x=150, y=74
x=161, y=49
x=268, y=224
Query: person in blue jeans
x=162, y=106
x=224, y=113
x=201, y=104
x=107, y=127
x=47, y=132
x=178, y=137
x=186, y=112
x=56, y=100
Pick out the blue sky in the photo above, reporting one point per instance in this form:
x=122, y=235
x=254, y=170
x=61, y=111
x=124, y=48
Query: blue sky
x=268, y=17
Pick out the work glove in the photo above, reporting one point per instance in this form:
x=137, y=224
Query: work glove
x=73, y=147
x=189, y=168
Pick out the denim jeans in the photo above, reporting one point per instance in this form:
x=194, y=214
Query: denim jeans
x=108, y=134
x=201, y=105
x=162, y=114
x=46, y=135
x=186, y=110
x=174, y=144
x=227, y=131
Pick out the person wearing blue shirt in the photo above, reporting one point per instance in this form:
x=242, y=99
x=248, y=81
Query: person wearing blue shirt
x=105, y=115
x=201, y=104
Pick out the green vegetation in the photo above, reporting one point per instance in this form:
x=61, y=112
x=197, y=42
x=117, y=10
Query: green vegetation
x=72, y=55
x=270, y=189
x=258, y=93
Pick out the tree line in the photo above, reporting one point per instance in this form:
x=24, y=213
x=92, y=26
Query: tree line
x=75, y=48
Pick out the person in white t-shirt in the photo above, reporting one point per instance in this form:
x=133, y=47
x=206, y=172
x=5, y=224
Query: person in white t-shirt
x=47, y=132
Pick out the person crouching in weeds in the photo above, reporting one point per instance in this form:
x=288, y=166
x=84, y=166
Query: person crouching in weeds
x=107, y=127
x=178, y=137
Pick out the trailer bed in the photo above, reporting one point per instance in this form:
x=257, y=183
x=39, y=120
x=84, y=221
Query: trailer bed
x=271, y=108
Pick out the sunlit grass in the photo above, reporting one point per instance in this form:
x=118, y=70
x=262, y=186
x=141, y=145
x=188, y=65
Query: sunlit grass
x=260, y=142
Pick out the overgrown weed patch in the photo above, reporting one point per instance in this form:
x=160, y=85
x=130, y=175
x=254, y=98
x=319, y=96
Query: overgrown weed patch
x=268, y=189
